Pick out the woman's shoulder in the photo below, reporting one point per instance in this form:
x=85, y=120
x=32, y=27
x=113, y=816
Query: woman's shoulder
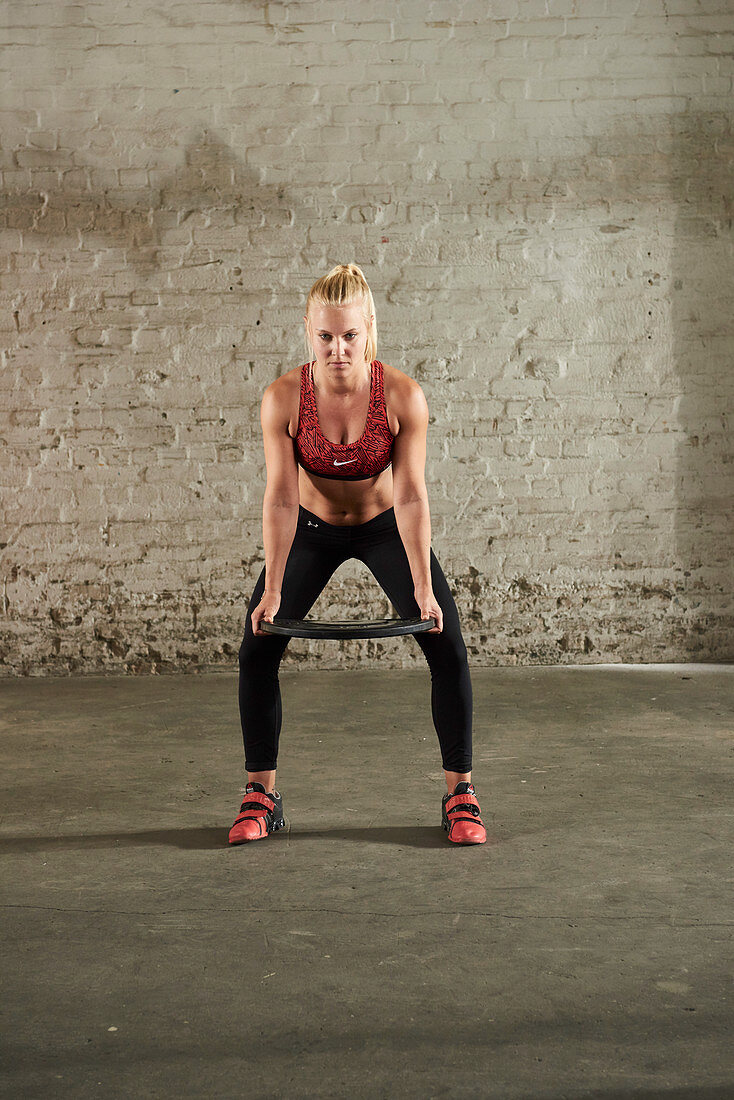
x=282, y=397
x=398, y=382
x=404, y=397
x=401, y=390
x=282, y=388
x=288, y=380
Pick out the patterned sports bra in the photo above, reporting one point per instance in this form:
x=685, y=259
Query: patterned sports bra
x=369, y=456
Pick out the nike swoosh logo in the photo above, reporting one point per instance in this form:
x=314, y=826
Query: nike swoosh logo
x=344, y=463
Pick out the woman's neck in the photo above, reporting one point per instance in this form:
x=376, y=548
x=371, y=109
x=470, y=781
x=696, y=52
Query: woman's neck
x=341, y=383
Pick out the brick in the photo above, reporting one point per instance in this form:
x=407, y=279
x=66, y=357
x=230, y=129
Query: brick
x=501, y=180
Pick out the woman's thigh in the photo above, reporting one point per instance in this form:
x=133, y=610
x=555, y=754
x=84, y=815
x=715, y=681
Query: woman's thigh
x=386, y=558
x=311, y=562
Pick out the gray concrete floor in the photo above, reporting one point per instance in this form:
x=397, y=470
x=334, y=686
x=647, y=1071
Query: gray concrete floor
x=585, y=951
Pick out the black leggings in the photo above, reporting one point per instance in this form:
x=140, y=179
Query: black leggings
x=318, y=549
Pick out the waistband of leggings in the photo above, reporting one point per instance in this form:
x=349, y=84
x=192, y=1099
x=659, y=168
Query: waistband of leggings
x=382, y=520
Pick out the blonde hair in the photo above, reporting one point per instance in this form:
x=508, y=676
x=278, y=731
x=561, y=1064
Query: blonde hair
x=344, y=285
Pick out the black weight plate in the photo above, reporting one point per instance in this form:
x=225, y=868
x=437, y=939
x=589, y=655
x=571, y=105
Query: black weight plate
x=373, y=628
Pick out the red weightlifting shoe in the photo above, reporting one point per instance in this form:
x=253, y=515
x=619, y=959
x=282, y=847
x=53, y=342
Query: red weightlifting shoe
x=260, y=813
x=460, y=816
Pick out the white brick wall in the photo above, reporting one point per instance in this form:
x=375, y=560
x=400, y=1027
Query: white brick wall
x=540, y=194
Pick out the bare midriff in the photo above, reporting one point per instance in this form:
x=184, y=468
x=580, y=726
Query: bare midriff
x=345, y=502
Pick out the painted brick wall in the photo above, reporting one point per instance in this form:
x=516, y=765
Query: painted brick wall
x=541, y=195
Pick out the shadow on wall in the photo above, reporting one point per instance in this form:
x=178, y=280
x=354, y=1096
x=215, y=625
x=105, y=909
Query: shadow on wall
x=210, y=189
x=702, y=305
x=201, y=243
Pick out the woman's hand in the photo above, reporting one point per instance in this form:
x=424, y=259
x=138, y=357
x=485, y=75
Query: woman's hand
x=266, y=609
x=430, y=609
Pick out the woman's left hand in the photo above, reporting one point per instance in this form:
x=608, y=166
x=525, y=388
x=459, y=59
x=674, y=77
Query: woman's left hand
x=430, y=609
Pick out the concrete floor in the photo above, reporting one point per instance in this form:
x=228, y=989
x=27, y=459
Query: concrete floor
x=586, y=951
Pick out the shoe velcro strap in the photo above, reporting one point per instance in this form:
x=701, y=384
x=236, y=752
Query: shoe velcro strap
x=255, y=797
x=465, y=817
x=250, y=817
x=258, y=813
x=461, y=800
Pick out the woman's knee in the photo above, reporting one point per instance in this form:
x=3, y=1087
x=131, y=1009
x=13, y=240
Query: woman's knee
x=445, y=652
x=260, y=656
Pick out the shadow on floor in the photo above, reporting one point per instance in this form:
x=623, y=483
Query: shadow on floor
x=215, y=836
x=713, y=1092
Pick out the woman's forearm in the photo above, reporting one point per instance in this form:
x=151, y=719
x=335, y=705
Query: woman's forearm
x=279, y=529
x=414, y=526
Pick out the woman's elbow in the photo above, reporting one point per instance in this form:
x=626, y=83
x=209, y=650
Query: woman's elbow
x=410, y=494
x=281, y=496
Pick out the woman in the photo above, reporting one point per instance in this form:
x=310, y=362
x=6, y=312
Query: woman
x=357, y=430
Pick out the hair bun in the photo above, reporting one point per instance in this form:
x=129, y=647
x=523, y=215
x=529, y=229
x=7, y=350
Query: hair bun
x=350, y=269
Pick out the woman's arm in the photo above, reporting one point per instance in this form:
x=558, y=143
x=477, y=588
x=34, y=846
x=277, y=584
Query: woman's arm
x=411, y=497
x=280, y=502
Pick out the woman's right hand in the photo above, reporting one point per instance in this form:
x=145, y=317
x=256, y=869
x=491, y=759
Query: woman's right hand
x=266, y=609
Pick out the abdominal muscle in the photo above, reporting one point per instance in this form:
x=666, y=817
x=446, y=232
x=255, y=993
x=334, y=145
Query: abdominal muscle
x=344, y=503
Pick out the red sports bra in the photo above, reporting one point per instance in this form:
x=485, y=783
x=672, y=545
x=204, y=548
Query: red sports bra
x=369, y=456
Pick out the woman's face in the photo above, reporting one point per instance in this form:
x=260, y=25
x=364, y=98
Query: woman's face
x=338, y=336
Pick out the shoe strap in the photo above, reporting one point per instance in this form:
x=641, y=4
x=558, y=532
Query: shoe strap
x=463, y=801
x=258, y=814
x=253, y=797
